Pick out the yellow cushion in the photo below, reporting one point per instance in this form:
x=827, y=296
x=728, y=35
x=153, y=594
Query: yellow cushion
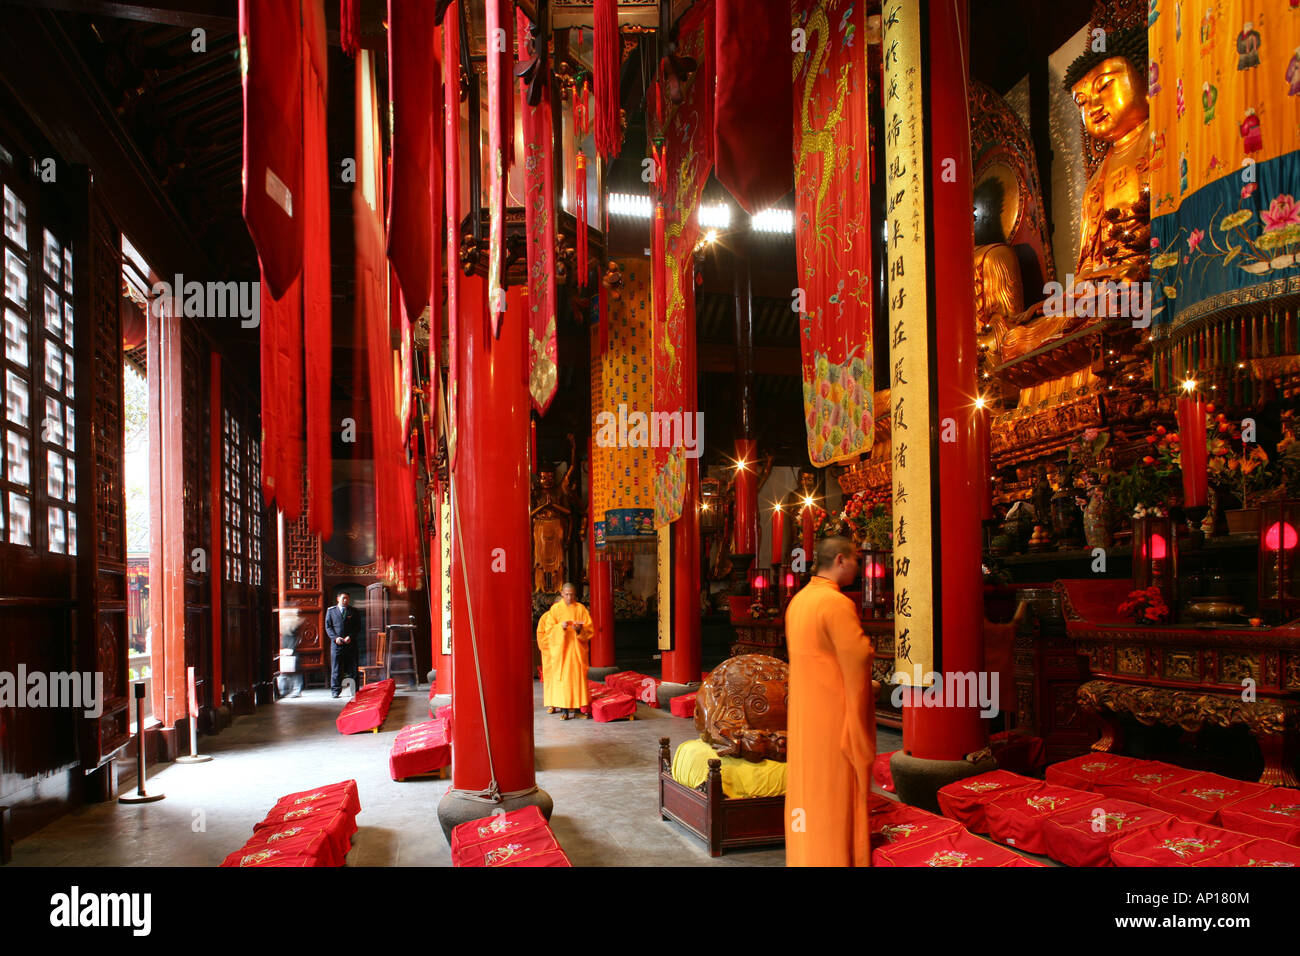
x=740, y=778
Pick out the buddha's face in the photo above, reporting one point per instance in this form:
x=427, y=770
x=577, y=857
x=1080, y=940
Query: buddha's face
x=548, y=479
x=807, y=482
x=1111, y=99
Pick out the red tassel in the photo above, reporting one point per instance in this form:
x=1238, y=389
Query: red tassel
x=581, y=129
x=350, y=26
x=609, y=135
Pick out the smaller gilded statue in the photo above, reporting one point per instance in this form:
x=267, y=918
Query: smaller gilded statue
x=552, y=519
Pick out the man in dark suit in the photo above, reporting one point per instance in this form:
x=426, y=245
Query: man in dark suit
x=343, y=626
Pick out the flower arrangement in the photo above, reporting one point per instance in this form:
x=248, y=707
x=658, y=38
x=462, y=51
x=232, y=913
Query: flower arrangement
x=1236, y=466
x=1146, y=487
x=1147, y=606
x=868, y=516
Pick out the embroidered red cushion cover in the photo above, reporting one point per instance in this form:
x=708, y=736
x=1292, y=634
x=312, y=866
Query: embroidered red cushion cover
x=1275, y=813
x=496, y=827
x=612, y=707
x=1016, y=819
x=1200, y=798
x=1082, y=835
x=1175, y=842
x=1083, y=772
x=964, y=800
x=956, y=848
x=683, y=706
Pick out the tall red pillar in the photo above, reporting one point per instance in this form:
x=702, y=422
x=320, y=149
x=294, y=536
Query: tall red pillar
x=491, y=662
x=937, y=738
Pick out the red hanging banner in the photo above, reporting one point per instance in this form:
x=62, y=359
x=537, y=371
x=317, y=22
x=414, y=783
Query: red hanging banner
x=316, y=297
x=752, y=152
x=539, y=202
x=607, y=54
x=688, y=155
x=500, y=88
x=412, y=83
x=833, y=228
x=451, y=153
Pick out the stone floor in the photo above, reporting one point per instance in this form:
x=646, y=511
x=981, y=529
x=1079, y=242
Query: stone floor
x=602, y=778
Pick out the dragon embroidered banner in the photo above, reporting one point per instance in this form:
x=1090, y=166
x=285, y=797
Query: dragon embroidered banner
x=832, y=175
x=539, y=183
x=688, y=155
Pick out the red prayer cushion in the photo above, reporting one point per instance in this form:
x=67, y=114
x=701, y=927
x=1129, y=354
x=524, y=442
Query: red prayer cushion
x=1201, y=797
x=964, y=800
x=1082, y=835
x=497, y=827
x=310, y=846
x=1137, y=783
x=901, y=823
x=1175, y=842
x=1016, y=819
x=342, y=794
x=1085, y=771
x=612, y=707
x=1257, y=853
x=956, y=848
x=882, y=771
x=1275, y=813
x=508, y=850
x=419, y=748
x=683, y=706
x=338, y=824
x=554, y=857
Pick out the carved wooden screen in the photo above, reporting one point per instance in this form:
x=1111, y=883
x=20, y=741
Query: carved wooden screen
x=18, y=386
x=102, y=631
x=303, y=589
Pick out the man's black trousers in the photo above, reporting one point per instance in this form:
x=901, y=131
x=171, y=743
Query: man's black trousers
x=343, y=663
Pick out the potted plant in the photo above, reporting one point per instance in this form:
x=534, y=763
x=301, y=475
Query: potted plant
x=1145, y=488
x=868, y=517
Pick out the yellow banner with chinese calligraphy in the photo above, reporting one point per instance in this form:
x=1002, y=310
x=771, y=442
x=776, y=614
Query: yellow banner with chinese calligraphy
x=832, y=175
x=910, y=345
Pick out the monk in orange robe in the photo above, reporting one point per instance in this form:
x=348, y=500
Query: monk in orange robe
x=831, y=724
x=563, y=634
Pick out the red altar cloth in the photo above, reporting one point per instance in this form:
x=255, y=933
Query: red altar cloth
x=957, y=848
x=510, y=824
x=898, y=823
x=683, y=706
x=342, y=795
x=1086, y=771
x=965, y=800
x=1176, y=843
x=367, y=710
x=1082, y=836
x=1017, y=819
x=419, y=749
x=1203, y=796
x=1257, y=853
x=1275, y=813
x=612, y=707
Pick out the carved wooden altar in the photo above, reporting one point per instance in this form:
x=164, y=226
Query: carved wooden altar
x=1189, y=677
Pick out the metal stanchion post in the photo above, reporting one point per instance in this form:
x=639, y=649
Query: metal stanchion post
x=194, y=755
x=139, y=796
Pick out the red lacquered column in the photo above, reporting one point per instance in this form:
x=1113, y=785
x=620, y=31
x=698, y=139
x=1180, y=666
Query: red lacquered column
x=746, y=540
x=942, y=733
x=492, y=629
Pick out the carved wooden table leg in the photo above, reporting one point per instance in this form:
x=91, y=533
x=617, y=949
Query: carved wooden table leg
x=1112, y=731
x=1278, y=763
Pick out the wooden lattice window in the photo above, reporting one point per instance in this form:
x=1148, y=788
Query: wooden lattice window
x=58, y=427
x=233, y=501
x=254, y=459
x=19, y=390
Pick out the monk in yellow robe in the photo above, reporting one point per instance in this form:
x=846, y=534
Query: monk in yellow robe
x=562, y=634
x=831, y=723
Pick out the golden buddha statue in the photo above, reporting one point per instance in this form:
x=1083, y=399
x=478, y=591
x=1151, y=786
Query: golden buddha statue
x=1110, y=91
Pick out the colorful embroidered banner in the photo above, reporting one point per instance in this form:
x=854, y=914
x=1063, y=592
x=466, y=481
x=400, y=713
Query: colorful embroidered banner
x=909, y=323
x=688, y=155
x=622, y=394
x=1224, y=93
x=832, y=173
x=539, y=189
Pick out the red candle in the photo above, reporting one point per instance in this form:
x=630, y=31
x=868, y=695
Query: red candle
x=806, y=516
x=778, y=536
x=1191, y=427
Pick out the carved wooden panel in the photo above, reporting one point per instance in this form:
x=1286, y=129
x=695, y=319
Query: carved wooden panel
x=1182, y=665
